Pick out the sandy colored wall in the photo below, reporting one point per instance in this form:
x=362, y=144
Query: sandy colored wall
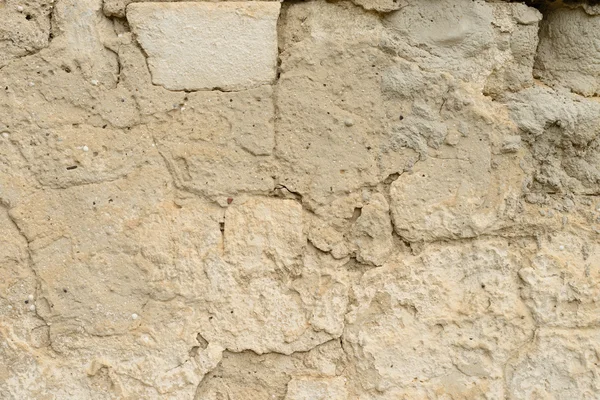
x=307, y=200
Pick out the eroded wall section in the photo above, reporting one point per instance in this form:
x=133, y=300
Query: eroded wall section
x=368, y=199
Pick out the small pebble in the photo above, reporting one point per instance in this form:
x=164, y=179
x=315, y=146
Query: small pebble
x=561, y=247
x=32, y=307
x=134, y=316
x=30, y=297
x=569, y=203
x=348, y=122
x=94, y=82
x=19, y=8
x=85, y=148
x=5, y=135
x=31, y=84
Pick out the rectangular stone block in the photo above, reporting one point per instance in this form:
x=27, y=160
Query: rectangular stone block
x=204, y=46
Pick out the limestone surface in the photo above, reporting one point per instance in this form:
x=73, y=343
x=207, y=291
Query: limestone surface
x=307, y=200
x=195, y=46
x=568, y=56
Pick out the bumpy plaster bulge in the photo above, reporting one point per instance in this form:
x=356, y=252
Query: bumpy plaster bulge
x=367, y=199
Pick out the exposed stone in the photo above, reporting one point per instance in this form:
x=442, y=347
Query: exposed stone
x=364, y=199
x=229, y=46
x=561, y=131
x=560, y=281
x=470, y=40
x=264, y=235
x=372, y=233
x=223, y=142
x=381, y=5
x=557, y=363
x=25, y=30
x=317, y=389
x=567, y=54
x=446, y=321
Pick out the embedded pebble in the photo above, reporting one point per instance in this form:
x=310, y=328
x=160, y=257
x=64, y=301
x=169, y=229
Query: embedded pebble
x=134, y=316
x=85, y=148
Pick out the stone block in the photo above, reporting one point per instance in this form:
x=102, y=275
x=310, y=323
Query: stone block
x=568, y=54
x=203, y=46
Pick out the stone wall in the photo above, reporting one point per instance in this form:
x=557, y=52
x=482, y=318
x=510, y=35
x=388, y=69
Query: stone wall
x=366, y=199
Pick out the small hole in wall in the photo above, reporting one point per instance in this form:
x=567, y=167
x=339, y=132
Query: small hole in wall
x=222, y=226
x=356, y=214
x=194, y=351
x=28, y=17
x=401, y=117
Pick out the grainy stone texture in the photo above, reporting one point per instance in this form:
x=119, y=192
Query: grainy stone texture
x=383, y=200
x=192, y=46
x=568, y=55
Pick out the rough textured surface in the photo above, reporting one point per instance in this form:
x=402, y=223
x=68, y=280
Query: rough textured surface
x=401, y=200
x=568, y=55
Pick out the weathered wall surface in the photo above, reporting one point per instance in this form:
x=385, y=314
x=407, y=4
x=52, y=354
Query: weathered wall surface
x=376, y=199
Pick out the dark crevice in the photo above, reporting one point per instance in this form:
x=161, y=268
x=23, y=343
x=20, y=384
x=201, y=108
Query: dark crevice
x=545, y=5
